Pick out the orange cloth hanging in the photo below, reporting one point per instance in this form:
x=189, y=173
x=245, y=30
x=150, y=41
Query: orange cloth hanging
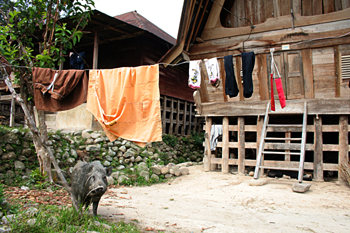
x=126, y=102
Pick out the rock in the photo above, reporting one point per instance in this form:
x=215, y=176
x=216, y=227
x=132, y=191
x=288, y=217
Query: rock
x=71, y=160
x=257, y=182
x=130, y=153
x=251, y=173
x=164, y=170
x=286, y=177
x=73, y=153
x=121, y=178
x=95, y=135
x=98, y=140
x=167, y=176
x=184, y=171
x=156, y=170
x=106, y=163
x=109, y=158
x=31, y=222
x=8, y=147
x=110, y=180
x=25, y=188
x=301, y=187
x=154, y=177
x=105, y=226
x=122, y=149
x=31, y=211
x=9, y=218
x=10, y=174
x=115, y=175
x=93, y=147
x=111, y=152
x=21, y=158
x=177, y=171
x=138, y=159
x=5, y=229
x=145, y=174
x=10, y=138
x=19, y=165
x=10, y=155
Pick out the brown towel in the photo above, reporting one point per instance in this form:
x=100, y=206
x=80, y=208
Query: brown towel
x=3, y=61
x=64, y=91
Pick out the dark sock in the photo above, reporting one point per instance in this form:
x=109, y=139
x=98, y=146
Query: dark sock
x=248, y=61
x=231, y=87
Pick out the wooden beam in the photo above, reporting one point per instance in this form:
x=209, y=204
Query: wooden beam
x=263, y=77
x=272, y=24
x=207, y=152
x=306, y=55
x=203, y=90
x=339, y=106
x=164, y=120
x=225, y=148
x=318, y=150
x=223, y=77
x=343, y=144
x=95, y=54
x=337, y=70
x=241, y=146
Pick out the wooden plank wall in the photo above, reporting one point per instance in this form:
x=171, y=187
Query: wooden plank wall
x=179, y=116
x=322, y=155
x=258, y=11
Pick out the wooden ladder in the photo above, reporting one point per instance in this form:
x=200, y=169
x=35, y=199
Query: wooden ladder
x=264, y=138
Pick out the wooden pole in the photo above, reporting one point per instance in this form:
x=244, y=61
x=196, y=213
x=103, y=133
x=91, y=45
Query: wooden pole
x=318, y=149
x=343, y=144
x=95, y=54
x=207, y=152
x=225, y=142
x=12, y=111
x=241, y=145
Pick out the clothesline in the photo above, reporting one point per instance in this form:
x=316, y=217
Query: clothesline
x=256, y=51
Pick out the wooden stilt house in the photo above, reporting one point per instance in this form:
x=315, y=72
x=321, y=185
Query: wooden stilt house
x=311, y=42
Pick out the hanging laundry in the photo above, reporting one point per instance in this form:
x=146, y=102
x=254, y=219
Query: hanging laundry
x=278, y=82
x=6, y=65
x=126, y=102
x=215, y=132
x=213, y=70
x=59, y=90
x=231, y=87
x=248, y=62
x=77, y=60
x=194, y=78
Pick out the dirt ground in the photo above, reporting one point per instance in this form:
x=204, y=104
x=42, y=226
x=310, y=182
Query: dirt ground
x=217, y=202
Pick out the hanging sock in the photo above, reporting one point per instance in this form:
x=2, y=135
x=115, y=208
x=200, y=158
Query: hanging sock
x=194, y=78
x=231, y=88
x=248, y=62
x=213, y=70
x=278, y=82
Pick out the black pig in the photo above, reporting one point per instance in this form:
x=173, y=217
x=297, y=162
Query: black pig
x=89, y=183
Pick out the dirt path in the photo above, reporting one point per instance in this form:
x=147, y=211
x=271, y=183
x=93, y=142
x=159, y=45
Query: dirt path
x=216, y=202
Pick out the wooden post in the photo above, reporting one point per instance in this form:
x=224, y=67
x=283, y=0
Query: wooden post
x=318, y=149
x=260, y=124
x=308, y=73
x=190, y=121
x=164, y=114
x=207, y=152
x=95, y=55
x=171, y=116
x=177, y=117
x=343, y=144
x=184, y=122
x=225, y=149
x=241, y=145
x=287, y=135
x=13, y=111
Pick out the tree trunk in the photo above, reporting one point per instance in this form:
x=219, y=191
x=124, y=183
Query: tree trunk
x=38, y=141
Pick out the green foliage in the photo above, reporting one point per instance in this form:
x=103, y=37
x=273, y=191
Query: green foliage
x=37, y=179
x=23, y=21
x=170, y=139
x=55, y=219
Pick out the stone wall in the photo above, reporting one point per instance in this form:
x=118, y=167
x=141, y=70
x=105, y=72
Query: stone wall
x=18, y=157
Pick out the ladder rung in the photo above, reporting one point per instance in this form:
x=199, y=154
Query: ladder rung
x=280, y=168
x=290, y=125
x=290, y=139
x=280, y=152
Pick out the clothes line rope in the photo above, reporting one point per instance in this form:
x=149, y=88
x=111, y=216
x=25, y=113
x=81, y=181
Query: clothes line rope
x=258, y=50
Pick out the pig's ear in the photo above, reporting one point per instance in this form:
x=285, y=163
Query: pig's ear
x=109, y=171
